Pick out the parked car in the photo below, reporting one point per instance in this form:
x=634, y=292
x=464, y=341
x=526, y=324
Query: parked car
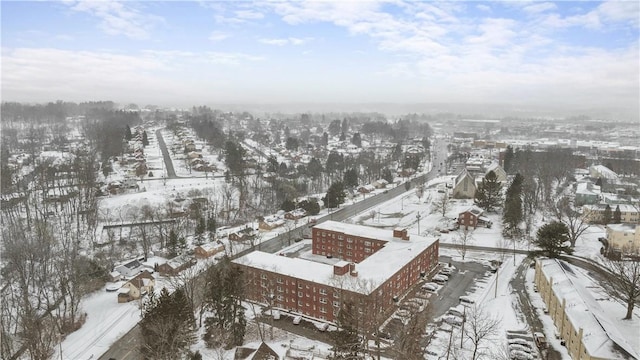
x=440, y=279
x=447, y=270
x=430, y=287
x=540, y=339
x=297, y=320
x=276, y=314
x=453, y=320
x=466, y=301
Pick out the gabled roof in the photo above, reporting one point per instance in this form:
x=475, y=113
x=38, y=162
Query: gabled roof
x=464, y=173
x=474, y=210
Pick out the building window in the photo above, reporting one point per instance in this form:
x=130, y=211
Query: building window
x=367, y=243
x=349, y=240
x=263, y=276
x=340, y=237
x=348, y=253
x=323, y=310
x=279, y=288
x=279, y=297
x=349, y=246
x=367, y=250
x=279, y=280
x=299, y=286
x=300, y=294
x=336, y=303
x=323, y=300
x=323, y=291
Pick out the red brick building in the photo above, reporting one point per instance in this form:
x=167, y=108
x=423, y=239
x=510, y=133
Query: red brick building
x=375, y=267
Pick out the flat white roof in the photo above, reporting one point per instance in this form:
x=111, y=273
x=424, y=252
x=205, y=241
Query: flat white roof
x=372, y=271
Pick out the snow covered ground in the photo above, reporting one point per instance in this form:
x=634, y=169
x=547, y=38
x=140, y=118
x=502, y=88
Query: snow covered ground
x=108, y=320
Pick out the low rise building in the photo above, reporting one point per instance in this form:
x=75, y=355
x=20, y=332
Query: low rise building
x=584, y=326
x=624, y=237
x=374, y=269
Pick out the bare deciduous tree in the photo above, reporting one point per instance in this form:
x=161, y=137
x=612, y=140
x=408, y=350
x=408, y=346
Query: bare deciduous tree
x=624, y=282
x=479, y=327
x=463, y=239
x=565, y=212
x=441, y=204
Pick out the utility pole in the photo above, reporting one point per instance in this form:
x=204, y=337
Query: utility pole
x=496, y=292
x=418, y=217
x=464, y=320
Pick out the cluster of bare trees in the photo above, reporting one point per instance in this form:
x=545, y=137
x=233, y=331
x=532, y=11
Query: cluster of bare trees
x=45, y=276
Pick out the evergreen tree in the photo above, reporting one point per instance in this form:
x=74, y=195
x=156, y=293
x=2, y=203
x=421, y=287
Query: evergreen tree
x=343, y=136
x=167, y=326
x=127, y=133
x=508, y=162
x=325, y=139
x=172, y=243
x=288, y=205
x=607, y=216
x=222, y=297
x=234, y=157
x=347, y=343
x=488, y=194
x=351, y=178
x=311, y=207
x=335, y=195
x=345, y=126
x=356, y=140
x=292, y=143
x=211, y=224
x=145, y=140
x=512, y=216
x=552, y=238
x=617, y=215
x=387, y=175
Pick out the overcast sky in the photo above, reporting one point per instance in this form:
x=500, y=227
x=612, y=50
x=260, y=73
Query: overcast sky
x=185, y=53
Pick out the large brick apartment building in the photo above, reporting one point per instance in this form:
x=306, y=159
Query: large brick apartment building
x=364, y=266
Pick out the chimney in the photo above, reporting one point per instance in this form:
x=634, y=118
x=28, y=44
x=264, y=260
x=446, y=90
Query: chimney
x=353, y=272
x=341, y=268
x=400, y=234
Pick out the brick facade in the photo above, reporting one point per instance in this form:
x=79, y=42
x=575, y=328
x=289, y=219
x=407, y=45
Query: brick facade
x=324, y=300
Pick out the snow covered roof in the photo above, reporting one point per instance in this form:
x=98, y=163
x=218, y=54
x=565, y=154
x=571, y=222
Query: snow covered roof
x=587, y=189
x=493, y=167
x=474, y=210
x=599, y=333
x=372, y=271
x=605, y=171
x=629, y=228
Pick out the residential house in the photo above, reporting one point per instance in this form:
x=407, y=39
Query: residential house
x=587, y=193
x=464, y=186
x=207, y=250
x=263, y=352
x=137, y=287
x=242, y=235
x=270, y=222
x=380, y=183
x=365, y=189
x=176, y=265
x=295, y=214
x=583, y=325
x=472, y=217
x=624, y=237
x=130, y=269
x=498, y=170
